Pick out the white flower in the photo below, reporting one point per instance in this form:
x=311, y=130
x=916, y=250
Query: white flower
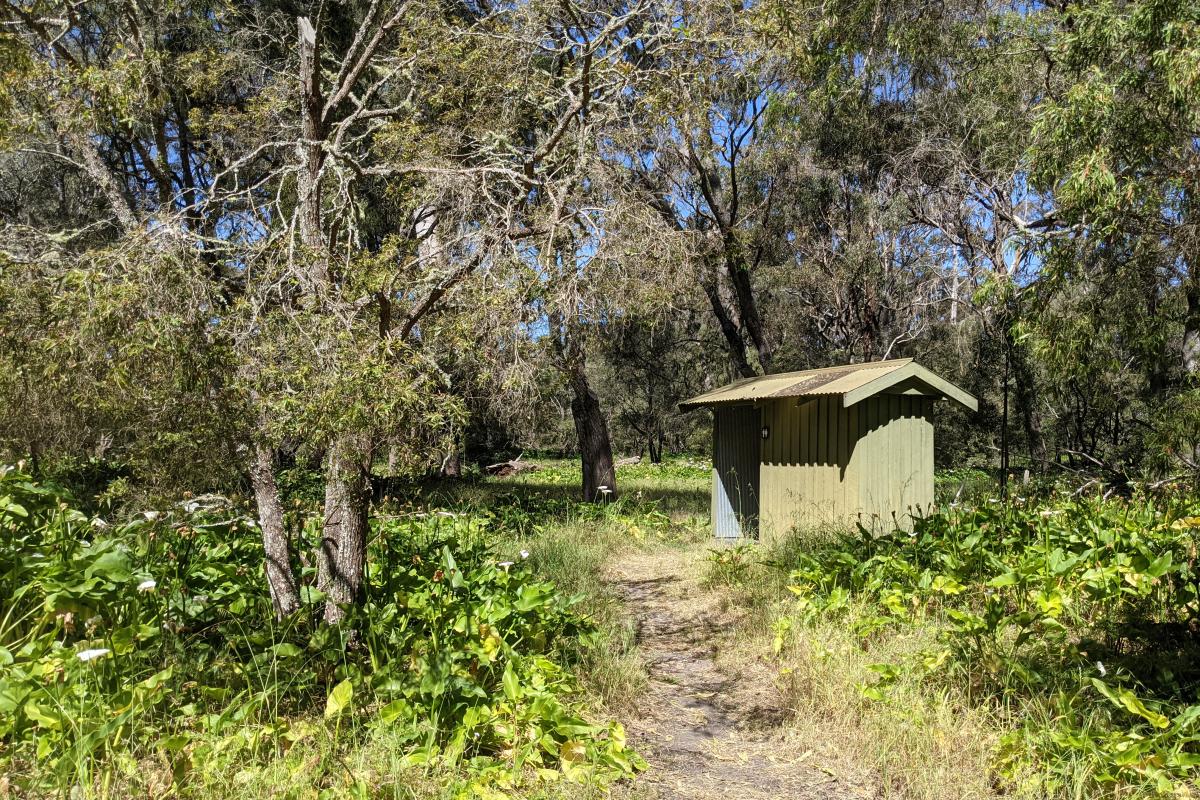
x=150, y=515
x=92, y=655
x=504, y=565
x=524, y=554
x=147, y=585
x=1100, y=666
x=99, y=523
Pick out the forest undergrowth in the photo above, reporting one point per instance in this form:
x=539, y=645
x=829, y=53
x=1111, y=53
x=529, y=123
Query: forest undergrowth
x=1042, y=647
x=140, y=656
x=1034, y=648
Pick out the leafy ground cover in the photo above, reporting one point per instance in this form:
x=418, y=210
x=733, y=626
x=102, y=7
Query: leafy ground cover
x=1038, y=648
x=141, y=657
x=1034, y=648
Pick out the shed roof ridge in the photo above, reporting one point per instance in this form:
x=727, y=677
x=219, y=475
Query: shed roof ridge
x=889, y=362
x=850, y=367
x=848, y=380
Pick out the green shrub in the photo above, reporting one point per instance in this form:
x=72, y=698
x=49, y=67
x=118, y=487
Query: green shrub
x=1075, y=616
x=155, y=638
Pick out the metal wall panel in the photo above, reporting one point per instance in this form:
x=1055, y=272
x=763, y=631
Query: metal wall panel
x=737, y=446
x=823, y=464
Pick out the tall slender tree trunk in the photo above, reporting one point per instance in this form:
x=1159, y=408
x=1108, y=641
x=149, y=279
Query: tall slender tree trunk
x=752, y=323
x=1026, y=397
x=341, y=556
x=595, y=447
x=281, y=581
x=1191, y=330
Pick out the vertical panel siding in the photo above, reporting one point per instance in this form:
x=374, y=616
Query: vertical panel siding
x=736, y=470
x=897, y=450
x=824, y=463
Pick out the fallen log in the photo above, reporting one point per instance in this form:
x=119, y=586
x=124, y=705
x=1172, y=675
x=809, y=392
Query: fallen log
x=628, y=462
x=506, y=468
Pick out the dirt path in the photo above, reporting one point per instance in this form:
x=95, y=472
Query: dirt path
x=705, y=733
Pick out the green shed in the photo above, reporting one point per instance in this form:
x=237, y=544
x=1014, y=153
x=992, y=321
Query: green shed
x=837, y=445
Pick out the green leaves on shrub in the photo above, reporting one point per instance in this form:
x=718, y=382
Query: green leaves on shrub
x=1081, y=607
x=156, y=637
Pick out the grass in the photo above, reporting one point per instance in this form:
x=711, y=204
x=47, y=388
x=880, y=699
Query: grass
x=923, y=744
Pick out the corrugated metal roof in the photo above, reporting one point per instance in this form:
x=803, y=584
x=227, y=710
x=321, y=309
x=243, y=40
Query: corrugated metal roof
x=830, y=380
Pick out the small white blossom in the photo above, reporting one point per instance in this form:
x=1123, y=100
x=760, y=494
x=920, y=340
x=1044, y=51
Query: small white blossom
x=504, y=565
x=147, y=585
x=150, y=515
x=524, y=554
x=1100, y=667
x=93, y=654
x=99, y=523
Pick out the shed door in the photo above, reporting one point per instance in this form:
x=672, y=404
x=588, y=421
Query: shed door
x=736, y=445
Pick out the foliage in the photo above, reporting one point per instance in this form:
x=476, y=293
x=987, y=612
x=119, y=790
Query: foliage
x=1075, y=615
x=968, y=487
x=152, y=639
x=730, y=566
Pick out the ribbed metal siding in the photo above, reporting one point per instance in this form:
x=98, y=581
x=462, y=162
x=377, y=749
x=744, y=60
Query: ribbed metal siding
x=825, y=463
x=896, y=476
x=736, y=454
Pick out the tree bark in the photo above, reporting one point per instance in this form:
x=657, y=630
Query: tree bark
x=452, y=464
x=734, y=344
x=1191, y=331
x=342, y=554
x=281, y=580
x=595, y=448
x=739, y=276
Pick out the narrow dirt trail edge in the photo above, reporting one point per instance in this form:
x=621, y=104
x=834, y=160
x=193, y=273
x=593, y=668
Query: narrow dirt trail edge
x=706, y=733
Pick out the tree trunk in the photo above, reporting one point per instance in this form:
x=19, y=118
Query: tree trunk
x=1026, y=397
x=452, y=464
x=1191, y=331
x=752, y=323
x=735, y=345
x=595, y=449
x=342, y=554
x=281, y=581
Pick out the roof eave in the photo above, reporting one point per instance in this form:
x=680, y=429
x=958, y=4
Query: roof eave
x=940, y=385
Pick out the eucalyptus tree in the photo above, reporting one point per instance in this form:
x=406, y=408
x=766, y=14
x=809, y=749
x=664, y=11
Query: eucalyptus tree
x=1116, y=144
x=695, y=152
x=242, y=141
x=588, y=253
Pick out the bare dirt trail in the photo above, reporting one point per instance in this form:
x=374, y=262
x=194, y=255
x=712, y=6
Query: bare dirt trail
x=707, y=733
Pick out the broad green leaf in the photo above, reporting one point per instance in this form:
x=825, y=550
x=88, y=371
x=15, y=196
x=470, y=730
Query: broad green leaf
x=339, y=699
